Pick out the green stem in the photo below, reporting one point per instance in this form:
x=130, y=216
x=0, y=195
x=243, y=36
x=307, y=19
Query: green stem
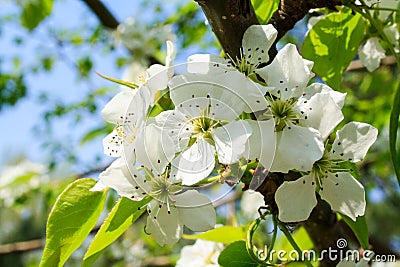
x=271, y=246
x=289, y=237
x=249, y=241
x=385, y=9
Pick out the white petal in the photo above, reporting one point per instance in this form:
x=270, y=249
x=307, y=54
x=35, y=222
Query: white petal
x=169, y=59
x=157, y=78
x=321, y=113
x=99, y=186
x=249, y=92
x=166, y=228
x=288, y=72
x=112, y=143
x=154, y=149
x=353, y=141
x=207, y=64
x=296, y=199
x=371, y=54
x=314, y=88
x=230, y=141
x=177, y=126
x=218, y=93
x=344, y=193
x=256, y=42
x=118, y=178
x=297, y=148
x=250, y=202
x=194, y=164
x=118, y=106
x=195, y=210
x=262, y=142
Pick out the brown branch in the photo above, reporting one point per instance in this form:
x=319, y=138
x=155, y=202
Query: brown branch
x=19, y=247
x=108, y=20
x=103, y=14
x=229, y=19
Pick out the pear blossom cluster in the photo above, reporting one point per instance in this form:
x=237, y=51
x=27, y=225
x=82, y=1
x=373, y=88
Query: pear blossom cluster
x=176, y=132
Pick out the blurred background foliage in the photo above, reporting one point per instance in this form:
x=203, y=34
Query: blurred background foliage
x=51, y=97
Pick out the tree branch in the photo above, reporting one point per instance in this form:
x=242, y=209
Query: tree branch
x=103, y=14
x=229, y=19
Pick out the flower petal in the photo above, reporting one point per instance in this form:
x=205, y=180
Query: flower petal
x=157, y=78
x=166, y=228
x=315, y=88
x=262, y=142
x=344, y=193
x=289, y=73
x=112, y=143
x=371, y=54
x=154, y=149
x=207, y=64
x=195, y=210
x=177, y=126
x=256, y=42
x=297, y=148
x=321, y=113
x=230, y=141
x=353, y=141
x=118, y=106
x=296, y=199
x=194, y=164
x=128, y=185
x=218, y=94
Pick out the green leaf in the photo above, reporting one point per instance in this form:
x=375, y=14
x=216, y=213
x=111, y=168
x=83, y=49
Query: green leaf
x=123, y=215
x=393, y=128
x=360, y=229
x=235, y=255
x=34, y=12
x=224, y=234
x=332, y=44
x=265, y=9
x=96, y=132
x=71, y=219
x=128, y=84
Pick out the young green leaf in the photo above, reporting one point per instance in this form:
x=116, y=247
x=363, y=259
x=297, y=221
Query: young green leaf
x=235, y=255
x=121, y=82
x=70, y=221
x=124, y=213
x=224, y=234
x=34, y=12
x=360, y=229
x=332, y=43
x=265, y=9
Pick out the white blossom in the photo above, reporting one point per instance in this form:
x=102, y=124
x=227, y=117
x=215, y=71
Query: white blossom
x=333, y=182
x=303, y=115
x=201, y=254
x=204, y=123
x=371, y=54
x=170, y=207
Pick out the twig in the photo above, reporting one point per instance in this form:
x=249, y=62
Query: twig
x=103, y=14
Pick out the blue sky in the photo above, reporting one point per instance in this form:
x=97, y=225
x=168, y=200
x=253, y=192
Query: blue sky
x=18, y=121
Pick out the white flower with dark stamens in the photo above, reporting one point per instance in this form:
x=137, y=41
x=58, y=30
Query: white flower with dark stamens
x=203, y=123
x=256, y=42
x=371, y=54
x=296, y=199
x=128, y=111
x=170, y=207
x=303, y=116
